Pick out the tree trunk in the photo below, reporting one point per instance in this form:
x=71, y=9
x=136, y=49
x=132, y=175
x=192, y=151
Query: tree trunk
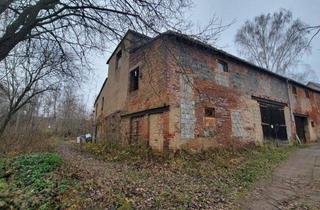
x=5, y=123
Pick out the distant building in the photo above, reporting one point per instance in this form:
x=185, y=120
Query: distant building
x=173, y=91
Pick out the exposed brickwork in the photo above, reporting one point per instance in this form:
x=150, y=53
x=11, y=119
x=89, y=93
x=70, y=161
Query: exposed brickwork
x=187, y=79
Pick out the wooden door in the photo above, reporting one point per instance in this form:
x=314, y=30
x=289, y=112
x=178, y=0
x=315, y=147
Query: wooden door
x=273, y=122
x=134, y=130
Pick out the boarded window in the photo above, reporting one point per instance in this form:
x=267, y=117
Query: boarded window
x=209, y=112
x=294, y=90
x=273, y=122
x=237, y=128
x=307, y=93
x=223, y=66
x=134, y=79
x=118, y=59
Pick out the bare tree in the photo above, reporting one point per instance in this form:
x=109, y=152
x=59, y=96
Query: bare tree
x=38, y=37
x=72, y=117
x=84, y=24
x=274, y=41
x=33, y=70
x=57, y=32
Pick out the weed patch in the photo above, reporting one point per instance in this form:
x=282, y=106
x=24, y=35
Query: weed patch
x=116, y=152
x=260, y=163
x=31, y=182
x=185, y=180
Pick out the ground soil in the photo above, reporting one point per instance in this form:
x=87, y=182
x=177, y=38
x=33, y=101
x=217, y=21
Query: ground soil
x=295, y=184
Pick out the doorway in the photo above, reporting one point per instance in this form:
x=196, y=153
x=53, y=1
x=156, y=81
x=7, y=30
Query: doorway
x=301, y=123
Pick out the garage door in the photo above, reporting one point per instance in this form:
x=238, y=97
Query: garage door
x=273, y=121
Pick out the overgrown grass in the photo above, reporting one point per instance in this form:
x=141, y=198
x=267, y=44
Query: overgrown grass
x=141, y=178
x=30, y=182
x=260, y=163
x=116, y=152
x=231, y=172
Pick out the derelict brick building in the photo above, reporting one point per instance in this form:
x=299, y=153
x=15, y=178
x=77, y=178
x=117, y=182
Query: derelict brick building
x=173, y=91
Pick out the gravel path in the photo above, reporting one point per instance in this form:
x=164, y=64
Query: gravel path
x=295, y=184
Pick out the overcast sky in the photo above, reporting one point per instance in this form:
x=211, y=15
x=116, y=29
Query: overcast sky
x=228, y=10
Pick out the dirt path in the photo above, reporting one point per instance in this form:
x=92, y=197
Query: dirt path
x=295, y=184
x=147, y=187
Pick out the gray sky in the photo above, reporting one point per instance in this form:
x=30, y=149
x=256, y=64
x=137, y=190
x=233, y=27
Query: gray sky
x=228, y=10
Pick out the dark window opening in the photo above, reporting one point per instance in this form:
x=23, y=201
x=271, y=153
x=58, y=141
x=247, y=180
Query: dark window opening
x=307, y=93
x=118, y=59
x=223, y=66
x=312, y=124
x=209, y=112
x=102, y=103
x=294, y=90
x=134, y=79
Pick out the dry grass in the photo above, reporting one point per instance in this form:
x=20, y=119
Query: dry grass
x=99, y=176
x=26, y=141
x=185, y=180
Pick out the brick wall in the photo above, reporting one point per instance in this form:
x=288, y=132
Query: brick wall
x=230, y=93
